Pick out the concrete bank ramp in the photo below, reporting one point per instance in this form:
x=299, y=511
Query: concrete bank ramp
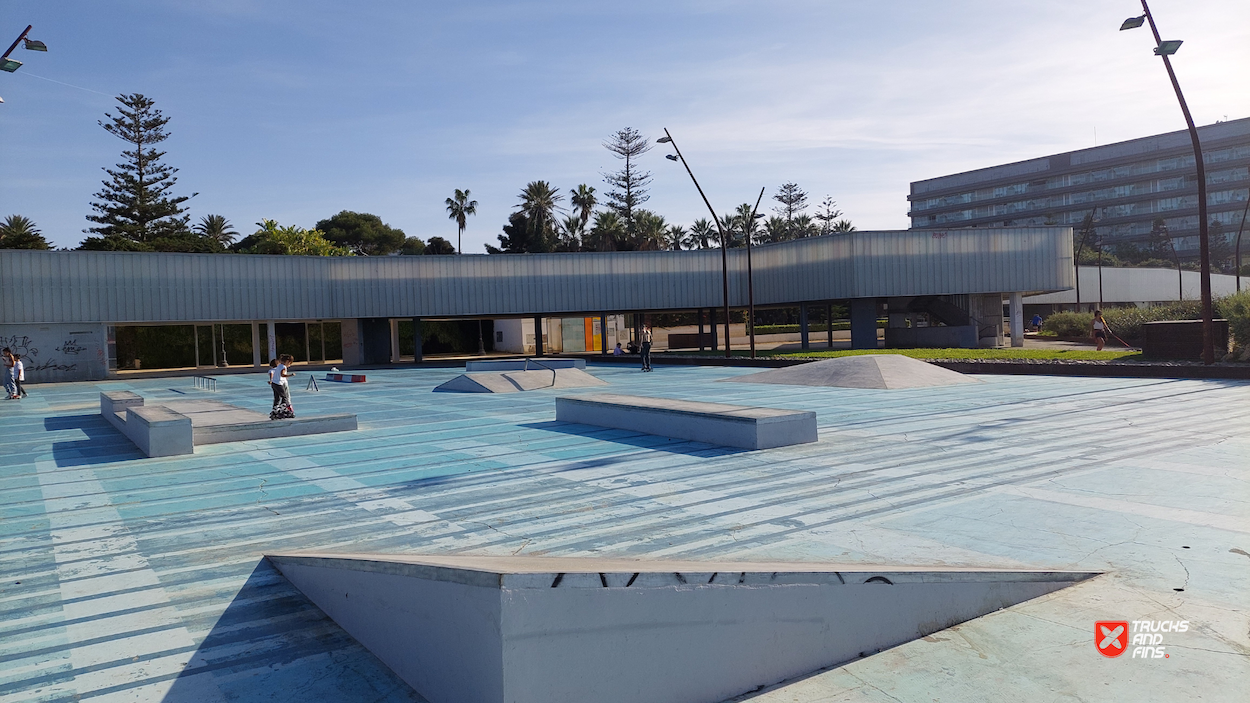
x=514, y=381
x=884, y=371
x=539, y=629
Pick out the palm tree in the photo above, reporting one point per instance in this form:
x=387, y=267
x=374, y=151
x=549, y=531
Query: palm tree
x=702, y=234
x=18, y=232
x=676, y=237
x=650, y=231
x=570, y=234
x=459, y=207
x=583, y=200
x=216, y=228
x=776, y=229
x=842, y=227
x=607, y=232
x=539, y=204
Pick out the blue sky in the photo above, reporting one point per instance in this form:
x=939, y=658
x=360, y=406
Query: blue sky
x=296, y=110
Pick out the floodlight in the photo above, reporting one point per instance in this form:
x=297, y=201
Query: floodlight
x=1167, y=48
x=759, y=215
x=10, y=65
x=663, y=140
x=670, y=157
x=35, y=45
x=1133, y=23
x=1, y=100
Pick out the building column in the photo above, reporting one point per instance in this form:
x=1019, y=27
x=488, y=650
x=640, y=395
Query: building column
x=711, y=318
x=416, y=341
x=256, y=345
x=1017, y=319
x=603, y=333
x=699, y=315
x=804, y=336
x=538, y=336
x=273, y=339
x=829, y=324
x=863, y=323
x=394, y=340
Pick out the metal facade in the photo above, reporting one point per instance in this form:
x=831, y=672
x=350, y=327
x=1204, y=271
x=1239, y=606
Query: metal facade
x=126, y=287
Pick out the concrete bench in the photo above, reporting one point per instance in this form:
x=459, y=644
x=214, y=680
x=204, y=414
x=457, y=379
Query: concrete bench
x=520, y=365
x=178, y=426
x=713, y=423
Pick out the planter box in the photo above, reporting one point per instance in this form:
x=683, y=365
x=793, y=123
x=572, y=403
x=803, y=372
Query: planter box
x=1181, y=339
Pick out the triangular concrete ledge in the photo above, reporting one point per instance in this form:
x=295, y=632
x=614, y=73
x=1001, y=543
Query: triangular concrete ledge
x=536, y=629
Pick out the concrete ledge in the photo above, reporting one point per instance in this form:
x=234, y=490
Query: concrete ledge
x=159, y=431
x=713, y=423
x=267, y=429
x=114, y=403
x=520, y=365
x=540, y=630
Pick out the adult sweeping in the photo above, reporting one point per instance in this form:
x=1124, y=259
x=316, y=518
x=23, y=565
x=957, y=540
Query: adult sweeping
x=1099, y=329
x=278, y=376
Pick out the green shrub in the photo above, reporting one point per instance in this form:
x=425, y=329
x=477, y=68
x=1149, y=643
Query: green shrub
x=1236, y=309
x=1127, y=322
x=1068, y=324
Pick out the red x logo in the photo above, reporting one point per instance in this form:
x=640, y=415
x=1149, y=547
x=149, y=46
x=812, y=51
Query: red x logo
x=1111, y=637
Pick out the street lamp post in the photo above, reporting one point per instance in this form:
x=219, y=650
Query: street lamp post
x=1164, y=49
x=724, y=256
x=750, y=229
x=10, y=65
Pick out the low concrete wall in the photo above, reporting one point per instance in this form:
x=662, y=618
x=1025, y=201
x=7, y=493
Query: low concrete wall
x=520, y=364
x=267, y=429
x=713, y=423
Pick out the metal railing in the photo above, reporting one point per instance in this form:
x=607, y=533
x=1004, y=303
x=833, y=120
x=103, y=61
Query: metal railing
x=542, y=365
x=206, y=383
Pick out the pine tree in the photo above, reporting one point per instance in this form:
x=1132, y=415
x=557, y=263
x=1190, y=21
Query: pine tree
x=629, y=185
x=828, y=216
x=793, y=202
x=134, y=206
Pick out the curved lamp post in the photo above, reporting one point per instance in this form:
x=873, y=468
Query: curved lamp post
x=1164, y=49
x=749, y=226
x=1237, y=250
x=10, y=65
x=724, y=257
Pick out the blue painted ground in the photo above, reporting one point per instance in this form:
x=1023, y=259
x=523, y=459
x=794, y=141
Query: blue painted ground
x=137, y=579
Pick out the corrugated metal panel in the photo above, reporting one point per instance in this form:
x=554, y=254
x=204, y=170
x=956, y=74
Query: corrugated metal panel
x=47, y=287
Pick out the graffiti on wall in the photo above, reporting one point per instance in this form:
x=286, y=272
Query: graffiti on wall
x=24, y=346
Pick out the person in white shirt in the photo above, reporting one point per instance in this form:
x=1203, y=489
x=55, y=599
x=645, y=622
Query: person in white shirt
x=274, y=385
x=646, y=347
x=1100, y=329
x=19, y=375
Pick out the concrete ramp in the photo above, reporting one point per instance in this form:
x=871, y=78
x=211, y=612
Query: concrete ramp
x=462, y=629
x=883, y=371
x=514, y=381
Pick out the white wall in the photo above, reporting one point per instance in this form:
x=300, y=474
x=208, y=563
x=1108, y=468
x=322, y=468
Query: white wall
x=53, y=353
x=1137, y=285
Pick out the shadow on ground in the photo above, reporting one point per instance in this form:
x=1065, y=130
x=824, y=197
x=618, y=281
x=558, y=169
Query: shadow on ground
x=272, y=643
x=103, y=445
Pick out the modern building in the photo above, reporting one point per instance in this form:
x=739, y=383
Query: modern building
x=1127, y=185
x=79, y=315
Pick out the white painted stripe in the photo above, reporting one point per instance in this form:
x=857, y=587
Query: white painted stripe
x=103, y=558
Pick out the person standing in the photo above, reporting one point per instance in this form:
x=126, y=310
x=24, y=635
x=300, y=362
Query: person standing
x=1099, y=329
x=10, y=391
x=646, y=347
x=1037, y=322
x=274, y=385
x=19, y=376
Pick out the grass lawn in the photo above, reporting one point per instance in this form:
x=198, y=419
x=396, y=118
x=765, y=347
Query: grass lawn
x=968, y=354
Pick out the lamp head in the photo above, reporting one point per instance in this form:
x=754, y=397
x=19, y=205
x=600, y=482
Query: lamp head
x=1133, y=23
x=1167, y=48
x=663, y=140
x=35, y=45
x=670, y=157
x=10, y=65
